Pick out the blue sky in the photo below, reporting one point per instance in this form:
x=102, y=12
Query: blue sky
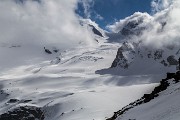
x=112, y=10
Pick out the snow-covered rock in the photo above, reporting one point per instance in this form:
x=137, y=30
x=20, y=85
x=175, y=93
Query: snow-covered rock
x=130, y=26
x=138, y=51
x=131, y=53
x=161, y=104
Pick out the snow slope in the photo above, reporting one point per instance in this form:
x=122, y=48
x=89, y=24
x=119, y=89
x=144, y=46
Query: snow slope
x=165, y=106
x=60, y=68
x=64, y=84
x=74, y=83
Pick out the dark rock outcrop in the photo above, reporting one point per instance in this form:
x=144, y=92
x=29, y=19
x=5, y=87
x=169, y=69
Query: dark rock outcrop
x=47, y=51
x=164, y=63
x=172, y=61
x=120, y=60
x=132, y=28
x=148, y=97
x=13, y=101
x=158, y=54
x=129, y=54
x=95, y=31
x=24, y=113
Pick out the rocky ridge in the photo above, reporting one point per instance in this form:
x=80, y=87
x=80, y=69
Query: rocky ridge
x=171, y=79
x=129, y=52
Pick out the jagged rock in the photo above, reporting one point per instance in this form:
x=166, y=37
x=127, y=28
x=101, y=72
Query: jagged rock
x=171, y=60
x=24, y=113
x=178, y=52
x=148, y=97
x=13, y=101
x=47, y=51
x=126, y=47
x=177, y=76
x=129, y=54
x=164, y=63
x=158, y=54
x=55, y=50
x=132, y=28
x=120, y=60
x=149, y=54
x=170, y=75
x=126, y=32
x=95, y=31
x=16, y=100
x=163, y=24
x=26, y=101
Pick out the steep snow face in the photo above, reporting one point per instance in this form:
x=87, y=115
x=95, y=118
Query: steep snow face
x=165, y=106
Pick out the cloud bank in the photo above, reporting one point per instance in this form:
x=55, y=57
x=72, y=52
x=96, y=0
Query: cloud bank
x=159, y=5
x=40, y=23
x=167, y=13
x=162, y=28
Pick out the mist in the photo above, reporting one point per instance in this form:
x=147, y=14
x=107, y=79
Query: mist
x=41, y=23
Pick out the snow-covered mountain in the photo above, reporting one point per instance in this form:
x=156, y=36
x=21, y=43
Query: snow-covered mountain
x=143, y=55
x=132, y=51
x=129, y=27
x=135, y=55
x=74, y=70
x=93, y=27
x=161, y=104
x=50, y=83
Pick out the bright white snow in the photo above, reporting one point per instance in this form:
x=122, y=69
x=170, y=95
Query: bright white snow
x=164, y=107
x=69, y=90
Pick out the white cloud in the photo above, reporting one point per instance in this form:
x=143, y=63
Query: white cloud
x=167, y=14
x=117, y=26
x=49, y=22
x=159, y=5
